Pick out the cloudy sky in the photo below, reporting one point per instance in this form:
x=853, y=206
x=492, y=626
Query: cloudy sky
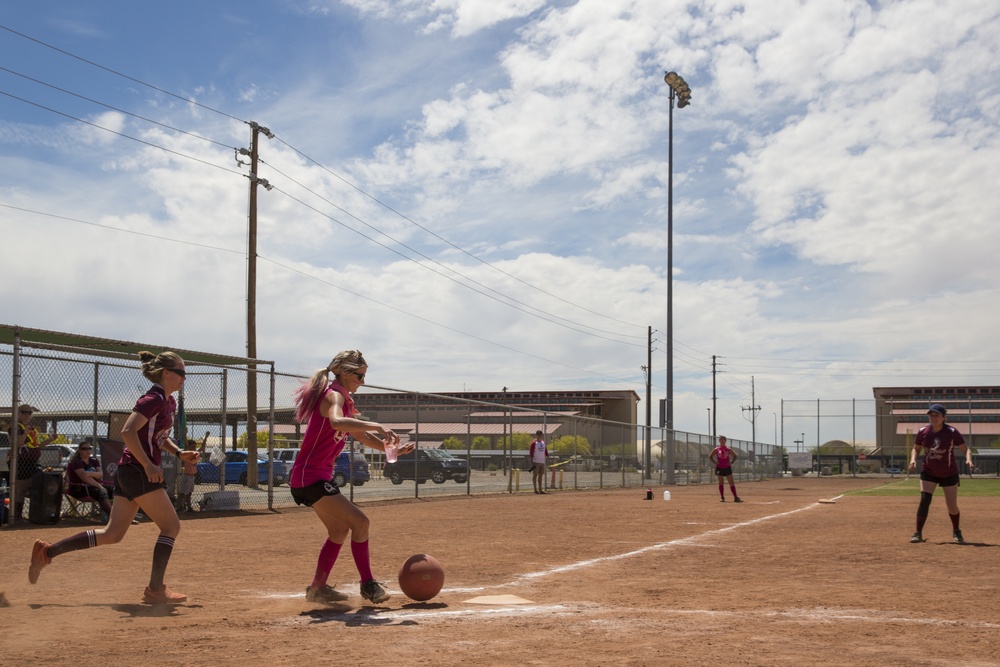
x=474, y=192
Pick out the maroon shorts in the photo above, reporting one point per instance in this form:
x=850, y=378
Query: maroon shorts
x=951, y=480
x=131, y=482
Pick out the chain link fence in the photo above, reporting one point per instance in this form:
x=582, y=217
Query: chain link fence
x=462, y=446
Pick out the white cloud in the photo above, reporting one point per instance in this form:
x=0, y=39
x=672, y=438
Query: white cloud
x=834, y=188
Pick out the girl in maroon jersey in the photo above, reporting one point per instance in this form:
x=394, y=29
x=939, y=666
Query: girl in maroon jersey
x=722, y=457
x=939, y=440
x=138, y=479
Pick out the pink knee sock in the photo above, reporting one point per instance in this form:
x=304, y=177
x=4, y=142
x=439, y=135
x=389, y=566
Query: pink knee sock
x=732, y=487
x=362, y=560
x=722, y=492
x=327, y=557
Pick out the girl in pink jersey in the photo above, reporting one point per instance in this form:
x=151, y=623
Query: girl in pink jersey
x=138, y=479
x=329, y=410
x=722, y=457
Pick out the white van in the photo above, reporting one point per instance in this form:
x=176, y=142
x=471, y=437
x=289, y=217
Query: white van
x=286, y=454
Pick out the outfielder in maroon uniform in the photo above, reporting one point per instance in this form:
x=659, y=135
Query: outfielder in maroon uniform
x=138, y=479
x=939, y=440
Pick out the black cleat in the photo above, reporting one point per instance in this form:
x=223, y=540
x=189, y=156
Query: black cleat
x=372, y=591
x=957, y=535
x=917, y=537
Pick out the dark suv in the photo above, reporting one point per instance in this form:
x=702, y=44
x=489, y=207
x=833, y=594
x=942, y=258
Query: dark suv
x=344, y=472
x=436, y=465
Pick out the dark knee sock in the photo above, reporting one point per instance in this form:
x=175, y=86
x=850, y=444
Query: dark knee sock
x=84, y=540
x=954, y=520
x=732, y=487
x=722, y=490
x=923, y=509
x=161, y=556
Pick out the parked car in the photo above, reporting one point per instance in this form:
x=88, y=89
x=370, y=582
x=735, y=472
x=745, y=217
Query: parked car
x=436, y=465
x=56, y=456
x=894, y=470
x=4, y=453
x=342, y=473
x=286, y=454
x=237, y=464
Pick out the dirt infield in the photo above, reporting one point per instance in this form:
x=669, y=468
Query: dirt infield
x=607, y=578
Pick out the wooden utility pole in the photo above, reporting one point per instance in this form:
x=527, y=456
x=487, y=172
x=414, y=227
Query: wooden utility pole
x=252, y=472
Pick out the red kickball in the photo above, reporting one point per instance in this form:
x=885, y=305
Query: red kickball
x=421, y=577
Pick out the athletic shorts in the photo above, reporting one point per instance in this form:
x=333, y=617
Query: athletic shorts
x=131, y=482
x=185, y=484
x=307, y=495
x=724, y=472
x=952, y=480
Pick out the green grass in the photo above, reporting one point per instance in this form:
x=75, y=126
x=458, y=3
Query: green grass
x=983, y=488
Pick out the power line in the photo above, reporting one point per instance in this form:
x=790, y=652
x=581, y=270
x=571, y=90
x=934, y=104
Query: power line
x=302, y=154
x=122, y=111
x=446, y=268
x=121, y=134
x=311, y=277
x=453, y=245
x=124, y=76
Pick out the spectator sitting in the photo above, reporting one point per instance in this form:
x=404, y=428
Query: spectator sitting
x=83, y=477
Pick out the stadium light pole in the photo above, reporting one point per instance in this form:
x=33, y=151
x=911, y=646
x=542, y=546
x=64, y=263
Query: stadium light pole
x=681, y=92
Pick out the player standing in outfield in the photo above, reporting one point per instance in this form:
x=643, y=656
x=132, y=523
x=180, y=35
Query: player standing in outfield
x=939, y=440
x=329, y=410
x=138, y=479
x=723, y=458
x=538, y=453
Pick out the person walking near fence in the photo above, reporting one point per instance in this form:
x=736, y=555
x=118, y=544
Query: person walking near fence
x=328, y=408
x=538, y=453
x=939, y=441
x=28, y=442
x=185, y=483
x=723, y=458
x=138, y=479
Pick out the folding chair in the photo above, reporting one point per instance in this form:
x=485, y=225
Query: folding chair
x=81, y=508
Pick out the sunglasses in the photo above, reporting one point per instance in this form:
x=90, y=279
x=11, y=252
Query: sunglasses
x=83, y=449
x=360, y=376
x=178, y=371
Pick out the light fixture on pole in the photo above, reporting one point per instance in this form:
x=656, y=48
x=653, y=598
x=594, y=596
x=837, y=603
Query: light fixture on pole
x=680, y=91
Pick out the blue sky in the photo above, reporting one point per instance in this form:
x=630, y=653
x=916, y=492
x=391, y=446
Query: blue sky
x=835, y=189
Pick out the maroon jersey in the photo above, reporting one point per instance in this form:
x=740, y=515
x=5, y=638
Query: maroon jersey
x=158, y=409
x=89, y=465
x=939, y=450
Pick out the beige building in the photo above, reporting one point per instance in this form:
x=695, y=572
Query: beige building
x=902, y=411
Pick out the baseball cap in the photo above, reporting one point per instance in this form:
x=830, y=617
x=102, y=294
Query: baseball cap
x=938, y=408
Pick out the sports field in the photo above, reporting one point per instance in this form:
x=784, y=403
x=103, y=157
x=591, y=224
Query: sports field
x=575, y=578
